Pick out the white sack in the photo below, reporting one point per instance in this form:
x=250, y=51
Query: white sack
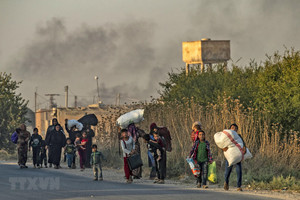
x=233, y=154
x=74, y=122
x=134, y=116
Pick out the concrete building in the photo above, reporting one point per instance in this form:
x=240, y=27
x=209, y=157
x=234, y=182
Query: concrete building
x=106, y=115
x=205, y=52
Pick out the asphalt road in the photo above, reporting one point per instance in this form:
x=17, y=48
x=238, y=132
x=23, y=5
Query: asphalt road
x=45, y=184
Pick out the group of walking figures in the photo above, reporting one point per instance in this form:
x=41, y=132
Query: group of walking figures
x=158, y=142
x=55, y=141
x=201, y=154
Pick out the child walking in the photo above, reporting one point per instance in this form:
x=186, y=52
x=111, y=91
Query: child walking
x=202, y=154
x=127, y=145
x=43, y=155
x=70, y=150
x=96, y=163
x=35, y=143
x=160, y=159
x=80, y=145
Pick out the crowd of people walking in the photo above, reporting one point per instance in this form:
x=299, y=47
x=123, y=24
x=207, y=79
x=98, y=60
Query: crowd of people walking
x=157, y=141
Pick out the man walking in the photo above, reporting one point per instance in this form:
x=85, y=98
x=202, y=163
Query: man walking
x=238, y=166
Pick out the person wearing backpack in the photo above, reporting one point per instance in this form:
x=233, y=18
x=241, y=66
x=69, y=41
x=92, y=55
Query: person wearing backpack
x=35, y=144
x=166, y=138
x=23, y=139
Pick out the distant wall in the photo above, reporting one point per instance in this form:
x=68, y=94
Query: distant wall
x=106, y=115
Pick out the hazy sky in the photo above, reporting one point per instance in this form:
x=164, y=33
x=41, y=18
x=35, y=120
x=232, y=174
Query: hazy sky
x=130, y=44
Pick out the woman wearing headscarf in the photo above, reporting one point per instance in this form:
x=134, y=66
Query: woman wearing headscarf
x=55, y=141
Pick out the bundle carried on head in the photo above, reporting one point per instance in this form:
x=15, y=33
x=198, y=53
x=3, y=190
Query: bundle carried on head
x=75, y=123
x=135, y=116
x=234, y=143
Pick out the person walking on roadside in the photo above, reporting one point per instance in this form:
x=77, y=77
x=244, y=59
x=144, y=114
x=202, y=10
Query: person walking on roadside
x=133, y=131
x=156, y=151
x=128, y=146
x=35, y=144
x=70, y=151
x=89, y=134
x=49, y=130
x=165, y=137
x=55, y=141
x=202, y=154
x=238, y=166
x=43, y=154
x=160, y=159
x=72, y=135
x=80, y=143
x=95, y=162
x=23, y=139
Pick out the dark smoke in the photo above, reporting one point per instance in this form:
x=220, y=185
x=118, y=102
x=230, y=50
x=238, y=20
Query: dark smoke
x=121, y=55
x=131, y=57
x=255, y=28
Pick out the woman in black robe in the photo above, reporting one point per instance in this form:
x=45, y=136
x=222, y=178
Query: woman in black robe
x=55, y=142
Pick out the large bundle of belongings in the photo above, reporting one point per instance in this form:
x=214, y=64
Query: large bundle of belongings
x=76, y=123
x=234, y=143
x=135, y=116
x=89, y=119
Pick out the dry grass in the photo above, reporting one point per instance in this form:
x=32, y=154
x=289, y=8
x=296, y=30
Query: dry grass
x=274, y=153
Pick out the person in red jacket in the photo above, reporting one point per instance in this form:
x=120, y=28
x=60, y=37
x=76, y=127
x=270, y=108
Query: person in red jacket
x=81, y=146
x=196, y=127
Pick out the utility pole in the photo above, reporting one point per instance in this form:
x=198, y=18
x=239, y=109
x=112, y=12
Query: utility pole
x=66, y=95
x=118, y=99
x=75, y=103
x=35, y=101
x=52, y=104
x=96, y=78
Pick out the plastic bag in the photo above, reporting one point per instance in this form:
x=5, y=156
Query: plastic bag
x=212, y=172
x=194, y=167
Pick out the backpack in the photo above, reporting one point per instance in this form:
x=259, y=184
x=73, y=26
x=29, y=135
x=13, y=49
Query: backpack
x=14, y=137
x=165, y=133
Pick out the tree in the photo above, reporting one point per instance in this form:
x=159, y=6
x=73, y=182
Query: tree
x=12, y=110
x=272, y=88
x=279, y=89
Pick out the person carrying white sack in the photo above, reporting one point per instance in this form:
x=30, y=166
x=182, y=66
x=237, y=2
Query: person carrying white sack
x=238, y=166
